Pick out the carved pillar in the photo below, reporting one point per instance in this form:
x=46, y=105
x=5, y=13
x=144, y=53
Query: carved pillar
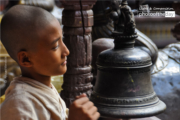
x=77, y=19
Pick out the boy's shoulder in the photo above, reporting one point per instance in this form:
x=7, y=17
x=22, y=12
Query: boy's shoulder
x=16, y=106
x=15, y=90
x=18, y=92
x=16, y=99
x=21, y=107
x=23, y=91
x=16, y=96
x=22, y=102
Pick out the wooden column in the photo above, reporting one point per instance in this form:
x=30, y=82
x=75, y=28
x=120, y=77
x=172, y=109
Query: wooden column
x=77, y=19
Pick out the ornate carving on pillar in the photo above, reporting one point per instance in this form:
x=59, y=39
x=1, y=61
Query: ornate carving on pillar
x=103, y=26
x=77, y=19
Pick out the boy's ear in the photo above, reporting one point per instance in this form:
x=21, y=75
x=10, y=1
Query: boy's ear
x=23, y=59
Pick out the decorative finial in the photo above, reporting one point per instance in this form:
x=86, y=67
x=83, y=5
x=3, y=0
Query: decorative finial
x=123, y=18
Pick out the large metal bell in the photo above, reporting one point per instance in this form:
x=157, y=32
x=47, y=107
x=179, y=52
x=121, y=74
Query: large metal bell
x=123, y=86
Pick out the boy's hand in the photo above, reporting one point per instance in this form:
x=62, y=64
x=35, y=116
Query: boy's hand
x=83, y=109
x=82, y=95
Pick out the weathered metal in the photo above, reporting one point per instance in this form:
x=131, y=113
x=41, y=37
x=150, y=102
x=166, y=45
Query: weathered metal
x=123, y=86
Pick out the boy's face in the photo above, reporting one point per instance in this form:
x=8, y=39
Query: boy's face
x=50, y=57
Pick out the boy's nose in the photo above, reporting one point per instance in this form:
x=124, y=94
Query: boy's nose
x=65, y=50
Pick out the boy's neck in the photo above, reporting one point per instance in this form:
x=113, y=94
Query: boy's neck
x=40, y=78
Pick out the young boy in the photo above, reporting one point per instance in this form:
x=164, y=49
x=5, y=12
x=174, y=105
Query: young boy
x=33, y=38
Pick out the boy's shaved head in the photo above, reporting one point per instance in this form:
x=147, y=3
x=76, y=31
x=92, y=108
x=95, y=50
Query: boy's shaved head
x=20, y=27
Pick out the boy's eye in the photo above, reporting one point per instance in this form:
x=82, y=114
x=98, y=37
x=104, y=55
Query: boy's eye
x=56, y=47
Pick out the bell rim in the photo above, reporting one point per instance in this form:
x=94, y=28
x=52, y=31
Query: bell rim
x=135, y=112
x=125, y=102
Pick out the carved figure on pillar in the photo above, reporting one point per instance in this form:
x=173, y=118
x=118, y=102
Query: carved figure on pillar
x=129, y=18
x=77, y=19
x=123, y=17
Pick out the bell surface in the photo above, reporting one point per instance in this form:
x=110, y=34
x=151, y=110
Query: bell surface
x=123, y=86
